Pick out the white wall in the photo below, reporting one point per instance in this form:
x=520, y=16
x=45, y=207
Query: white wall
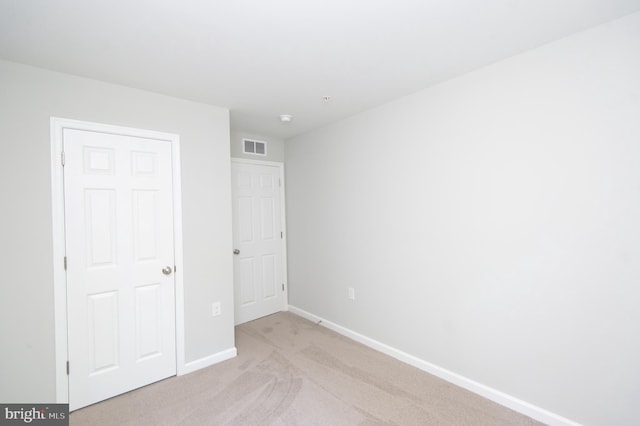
x=490, y=225
x=28, y=98
x=275, y=146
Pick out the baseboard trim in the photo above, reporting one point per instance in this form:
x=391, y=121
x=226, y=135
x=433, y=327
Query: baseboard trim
x=494, y=395
x=208, y=361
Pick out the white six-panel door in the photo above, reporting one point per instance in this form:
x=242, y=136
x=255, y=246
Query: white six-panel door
x=258, y=244
x=120, y=261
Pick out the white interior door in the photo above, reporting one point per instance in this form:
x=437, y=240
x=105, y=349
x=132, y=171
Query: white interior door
x=120, y=261
x=258, y=241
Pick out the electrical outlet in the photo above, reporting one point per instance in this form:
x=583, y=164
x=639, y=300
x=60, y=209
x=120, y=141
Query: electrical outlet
x=351, y=293
x=215, y=309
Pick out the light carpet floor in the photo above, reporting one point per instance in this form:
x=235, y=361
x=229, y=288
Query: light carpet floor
x=290, y=371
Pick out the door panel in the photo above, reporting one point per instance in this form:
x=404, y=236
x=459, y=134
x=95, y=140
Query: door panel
x=148, y=310
x=119, y=236
x=103, y=326
x=269, y=276
x=257, y=234
x=100, y=223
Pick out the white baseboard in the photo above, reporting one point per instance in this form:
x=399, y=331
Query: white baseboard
x=208, y=361
x=494, y=395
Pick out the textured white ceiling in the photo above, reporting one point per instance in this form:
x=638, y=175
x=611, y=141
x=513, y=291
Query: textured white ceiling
x=263, y=58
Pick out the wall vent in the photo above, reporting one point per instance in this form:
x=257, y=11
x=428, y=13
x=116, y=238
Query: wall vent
x=252, y=146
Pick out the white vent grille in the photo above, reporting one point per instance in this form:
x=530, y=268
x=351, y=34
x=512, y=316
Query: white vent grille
x=251, y=146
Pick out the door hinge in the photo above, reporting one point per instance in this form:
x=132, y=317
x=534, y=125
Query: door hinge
x=62, y=158
x=282, y=286
x=67, y=368
x=280, y=234
x=65, y=263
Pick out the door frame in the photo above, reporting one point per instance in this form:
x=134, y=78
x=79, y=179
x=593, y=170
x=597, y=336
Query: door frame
x=283, y=221
x=59, y=272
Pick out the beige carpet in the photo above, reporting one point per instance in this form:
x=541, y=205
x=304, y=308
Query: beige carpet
x=290, y=371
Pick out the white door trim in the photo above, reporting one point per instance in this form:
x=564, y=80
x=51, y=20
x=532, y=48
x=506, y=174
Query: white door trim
x=283, y=220
x=59, y=274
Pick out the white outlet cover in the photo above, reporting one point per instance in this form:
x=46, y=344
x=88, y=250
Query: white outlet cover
x=215, y=309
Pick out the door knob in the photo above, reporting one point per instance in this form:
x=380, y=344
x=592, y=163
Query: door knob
x=167, y=270
x=236, y=251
